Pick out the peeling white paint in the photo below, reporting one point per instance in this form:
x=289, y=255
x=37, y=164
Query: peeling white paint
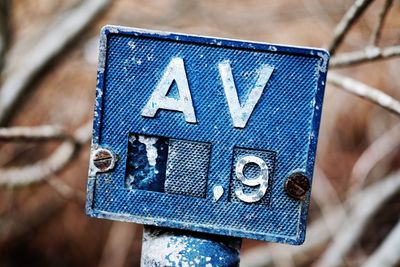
x=92, y=168
x=132, y=44
x=131, y=178
x=149, y=57
x=102, y=54
x=112, y=29
x=164, y=250
x=272, y=48
x=324, y=64
x=151, y=150
x=99, y=92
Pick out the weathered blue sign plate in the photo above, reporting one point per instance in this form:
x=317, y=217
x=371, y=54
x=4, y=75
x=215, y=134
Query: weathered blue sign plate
x=205, y=134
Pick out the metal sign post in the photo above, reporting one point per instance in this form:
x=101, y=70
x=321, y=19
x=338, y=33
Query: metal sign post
x=202, y=134
x=167, y=247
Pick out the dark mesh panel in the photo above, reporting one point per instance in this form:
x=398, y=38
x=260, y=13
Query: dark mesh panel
x=187, y=168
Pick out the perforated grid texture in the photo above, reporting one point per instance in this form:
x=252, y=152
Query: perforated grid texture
x=286, y=121
x=269, y=158
x=187, y=168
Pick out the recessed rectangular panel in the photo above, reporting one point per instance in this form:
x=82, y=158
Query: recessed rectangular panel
x=146, y=162
x=251, y=171
x=187, y=168
x=202, y=133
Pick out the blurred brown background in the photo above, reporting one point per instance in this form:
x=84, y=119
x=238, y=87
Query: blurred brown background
x=49, y=56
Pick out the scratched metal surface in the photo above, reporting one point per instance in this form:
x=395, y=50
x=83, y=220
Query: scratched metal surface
x=284, y=122
x=184, y=248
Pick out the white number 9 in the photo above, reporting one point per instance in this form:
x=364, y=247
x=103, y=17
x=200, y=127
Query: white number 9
x=261, y=180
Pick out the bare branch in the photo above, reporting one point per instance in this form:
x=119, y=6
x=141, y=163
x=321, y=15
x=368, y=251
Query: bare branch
x=23, y=176
x=366, y=206
x=116, y=249
x=48, y=47
x=368, y=54
x=378, y=150
x=388, y=252
x=4, y=29
x=66, y=191
x=365, y=91
x=347, y=22
x=365, y=202
x=327, y=199
x=37, y=133
x=376, y=34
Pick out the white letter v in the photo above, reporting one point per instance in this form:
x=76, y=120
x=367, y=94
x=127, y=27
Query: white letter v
x=240, y=114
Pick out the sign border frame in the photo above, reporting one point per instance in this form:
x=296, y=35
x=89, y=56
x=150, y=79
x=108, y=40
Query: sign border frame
x=108, y=30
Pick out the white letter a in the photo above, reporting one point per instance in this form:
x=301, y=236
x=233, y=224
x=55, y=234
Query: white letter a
x=175, y=71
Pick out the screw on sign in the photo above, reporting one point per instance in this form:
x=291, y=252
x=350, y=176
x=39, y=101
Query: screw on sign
x=214, y=137
x=297, y=186
x=103, y=160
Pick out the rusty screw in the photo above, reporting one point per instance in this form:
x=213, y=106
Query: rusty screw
x=297, y=185
x=103, y=159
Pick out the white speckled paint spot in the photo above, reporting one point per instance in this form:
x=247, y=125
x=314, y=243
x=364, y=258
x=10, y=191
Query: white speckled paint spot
x=150, y=148
x=132, y=44
x=324, y=63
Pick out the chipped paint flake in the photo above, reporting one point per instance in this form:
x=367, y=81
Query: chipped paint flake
x=112, y=29
x=323, y=65
x=132, y=44
x=161, y=248
x=151, y=150
x=272, y=48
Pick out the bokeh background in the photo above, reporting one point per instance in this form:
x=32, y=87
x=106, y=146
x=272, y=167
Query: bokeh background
x=48, y=58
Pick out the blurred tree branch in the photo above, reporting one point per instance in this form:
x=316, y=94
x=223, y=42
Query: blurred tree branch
x=116, y=249
x=368, y=203
x=66, y=191
x=376, y=34
x=365, y=91
x=26, y=175
x=362, y=205
x=38, y=133
x=345, y=24
x=368, y=54
x=4, y=29
x=387, y=254
x=47, y=48
x=386, y=144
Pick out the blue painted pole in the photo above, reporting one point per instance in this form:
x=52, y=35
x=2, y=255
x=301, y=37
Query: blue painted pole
x=171, y=247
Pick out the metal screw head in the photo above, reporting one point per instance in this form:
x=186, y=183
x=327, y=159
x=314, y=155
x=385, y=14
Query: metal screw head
x=103, y=159
x=297, y=185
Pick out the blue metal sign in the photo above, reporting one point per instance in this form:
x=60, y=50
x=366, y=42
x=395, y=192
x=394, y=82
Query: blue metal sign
x=205, y=134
